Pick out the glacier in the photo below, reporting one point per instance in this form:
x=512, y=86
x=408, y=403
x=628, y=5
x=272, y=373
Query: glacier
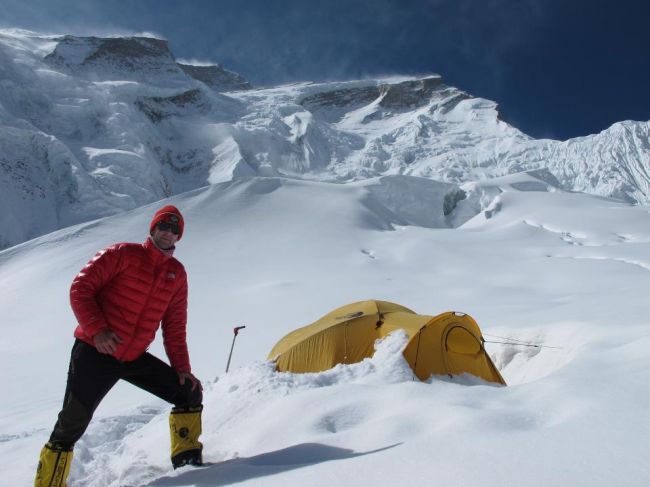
x=90, y=127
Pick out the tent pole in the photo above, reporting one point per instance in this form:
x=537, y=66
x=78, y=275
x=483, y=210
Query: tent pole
x=417, y=352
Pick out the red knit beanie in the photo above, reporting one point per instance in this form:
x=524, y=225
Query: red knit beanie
x=169, y=214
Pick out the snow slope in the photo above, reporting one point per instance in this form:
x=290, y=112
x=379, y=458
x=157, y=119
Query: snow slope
x=527, y=260
x=91, y=127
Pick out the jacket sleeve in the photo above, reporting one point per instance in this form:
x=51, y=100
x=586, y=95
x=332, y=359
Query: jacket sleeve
x=87, y=285
x=174, y=325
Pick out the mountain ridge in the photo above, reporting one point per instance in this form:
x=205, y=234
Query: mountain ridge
x=93, y=126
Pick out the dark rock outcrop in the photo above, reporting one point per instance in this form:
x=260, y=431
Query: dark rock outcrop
x=114, y=58
x=216, y=77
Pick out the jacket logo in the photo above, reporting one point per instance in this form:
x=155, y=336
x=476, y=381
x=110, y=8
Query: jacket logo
x=171, y=276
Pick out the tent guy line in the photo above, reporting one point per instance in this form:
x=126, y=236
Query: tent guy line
x=514, y=341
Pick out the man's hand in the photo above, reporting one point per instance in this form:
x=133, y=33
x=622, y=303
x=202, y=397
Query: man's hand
x=183, y=376
x=106, y=341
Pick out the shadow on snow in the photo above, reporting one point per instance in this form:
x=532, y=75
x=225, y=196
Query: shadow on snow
x=241, y=469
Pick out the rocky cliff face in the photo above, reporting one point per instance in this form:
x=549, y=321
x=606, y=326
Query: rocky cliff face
x=216, y=77
x=135, y=59
x=131, y=58
x=90, y=127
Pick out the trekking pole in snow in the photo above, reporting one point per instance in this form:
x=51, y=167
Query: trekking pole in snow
x=235, y=331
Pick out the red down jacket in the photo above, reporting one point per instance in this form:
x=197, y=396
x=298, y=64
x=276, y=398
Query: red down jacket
x=131, y=288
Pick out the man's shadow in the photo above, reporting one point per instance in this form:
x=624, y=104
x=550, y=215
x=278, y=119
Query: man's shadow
x=240, y=469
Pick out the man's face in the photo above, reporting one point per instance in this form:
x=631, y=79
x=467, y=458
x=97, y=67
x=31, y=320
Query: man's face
x=164, y=238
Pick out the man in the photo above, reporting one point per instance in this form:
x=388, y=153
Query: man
x=120, y=298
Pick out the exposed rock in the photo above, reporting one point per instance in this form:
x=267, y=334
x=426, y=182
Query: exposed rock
x=409, y=94
x=158, y=108
x=322, y=102
x=129, y=49
x=138, y=58
x=341, y=98
x=216, y=77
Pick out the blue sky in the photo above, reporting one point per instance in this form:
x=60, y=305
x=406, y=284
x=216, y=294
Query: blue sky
x=557, y=68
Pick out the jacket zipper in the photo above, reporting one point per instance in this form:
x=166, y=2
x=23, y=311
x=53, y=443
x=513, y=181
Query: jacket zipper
x=154, y=286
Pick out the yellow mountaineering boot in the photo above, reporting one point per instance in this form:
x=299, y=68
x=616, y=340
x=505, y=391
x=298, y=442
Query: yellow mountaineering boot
x=53, y=466
x=185, y=429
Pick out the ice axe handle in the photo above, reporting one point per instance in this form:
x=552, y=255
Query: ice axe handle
x=235, y=332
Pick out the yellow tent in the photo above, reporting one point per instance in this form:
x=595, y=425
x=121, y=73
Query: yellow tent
x=446, y=344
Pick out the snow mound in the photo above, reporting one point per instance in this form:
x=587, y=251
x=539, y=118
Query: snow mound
x=529, y=355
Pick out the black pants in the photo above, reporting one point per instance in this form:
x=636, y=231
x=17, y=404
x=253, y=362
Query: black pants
x=92, y=374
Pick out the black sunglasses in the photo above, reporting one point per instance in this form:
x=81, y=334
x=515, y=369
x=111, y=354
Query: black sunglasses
x=169, y=227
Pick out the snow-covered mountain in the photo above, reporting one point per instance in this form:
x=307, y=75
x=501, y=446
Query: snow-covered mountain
x=94, y=126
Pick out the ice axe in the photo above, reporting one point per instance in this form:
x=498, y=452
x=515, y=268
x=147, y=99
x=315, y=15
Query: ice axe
x=235, y=331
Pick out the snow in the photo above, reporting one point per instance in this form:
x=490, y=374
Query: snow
x=530, y=262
